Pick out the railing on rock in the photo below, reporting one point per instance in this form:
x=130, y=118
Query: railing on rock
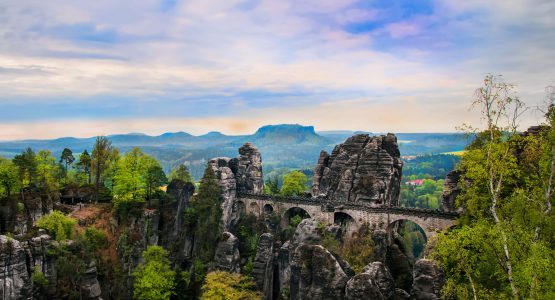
x=338, y=205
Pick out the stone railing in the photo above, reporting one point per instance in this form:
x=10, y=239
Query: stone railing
x=354, y=206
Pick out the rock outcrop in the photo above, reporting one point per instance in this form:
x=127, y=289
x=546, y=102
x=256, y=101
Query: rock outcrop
x=262, y=270
x=249, y=170
x=227, y=253
x=451, y=190
x=383, y=279
x=362, y=169
x=316, y=274
x=20, y=259
x=362, y=286
x=242, y=174
x=428, y=280
x=15, y=279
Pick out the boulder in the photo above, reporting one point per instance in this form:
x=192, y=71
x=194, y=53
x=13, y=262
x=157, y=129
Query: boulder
x=428, y=280
x=316, y=274
x=227, y=253
x=307, y=232
x=363, y=169
x=362, y=286
x=382, y=277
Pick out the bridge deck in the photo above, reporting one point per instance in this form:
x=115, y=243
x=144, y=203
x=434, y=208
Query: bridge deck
x=353, y=206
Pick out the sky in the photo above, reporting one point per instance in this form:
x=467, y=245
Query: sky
x=86, y=68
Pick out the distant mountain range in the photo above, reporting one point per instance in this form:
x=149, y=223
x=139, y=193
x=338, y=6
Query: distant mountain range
x=286, y=145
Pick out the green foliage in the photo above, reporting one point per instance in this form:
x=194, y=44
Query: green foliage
x=181, y=173
x=295, y=221
x=9, y=180
x=357, y=250
x=271, y=186
x=154, y=279
x=429, y=166
x=47, y=172
x=248, y=230
x=190, y=217
x=38, y=278
x=294, y=184
x=96, y=238
x=103, y=155
x=58, y=225
x=506, y=237
x=27, y=166
x=207, y=204
x=223, y=285
x=83, y=167
x=428, y=195
x=67, y=159
x=137, y=177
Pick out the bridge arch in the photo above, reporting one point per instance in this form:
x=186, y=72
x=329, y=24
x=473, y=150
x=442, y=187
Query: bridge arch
x=268, y=209
x=291, y=213
x=414, y=236
x=346, y=221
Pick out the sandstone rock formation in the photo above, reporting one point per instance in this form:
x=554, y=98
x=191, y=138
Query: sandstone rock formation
x=248, y=172
x=316, y=274
x=428, y=280
x=15, y=278
x=227, y=253
x=383, y=279
x=262, y=270
x=363, y=169
x=19, y=259
x=362, y=286
x=451, y=190
x=242, y=174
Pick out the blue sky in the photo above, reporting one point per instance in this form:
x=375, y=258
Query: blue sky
x=101, y=67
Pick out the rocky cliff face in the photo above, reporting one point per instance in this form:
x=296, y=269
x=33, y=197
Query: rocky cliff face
x=227, y=253
x=20, y=259
x=450, y=191
x=238, y=175
x=263, y=265
x=362, y=169
x=428, y=280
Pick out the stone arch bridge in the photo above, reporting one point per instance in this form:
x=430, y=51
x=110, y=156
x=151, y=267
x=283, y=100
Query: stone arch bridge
x=431, y=221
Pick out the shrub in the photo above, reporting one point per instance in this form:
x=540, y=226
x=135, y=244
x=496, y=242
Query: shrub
x=96, y=238
x=38, y=278
x=224, y=285
x=154, y=279
x=58, y=225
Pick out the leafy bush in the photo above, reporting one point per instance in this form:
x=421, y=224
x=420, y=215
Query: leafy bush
x=96, y=238
x=223, y=285
x=294, y=184
x=154, y=279
x=38, y=278
x=58, y=225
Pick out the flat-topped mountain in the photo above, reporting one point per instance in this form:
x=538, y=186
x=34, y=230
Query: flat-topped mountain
x=284, y=145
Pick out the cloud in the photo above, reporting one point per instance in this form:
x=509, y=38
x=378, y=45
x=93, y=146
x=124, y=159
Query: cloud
x=211, y=59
